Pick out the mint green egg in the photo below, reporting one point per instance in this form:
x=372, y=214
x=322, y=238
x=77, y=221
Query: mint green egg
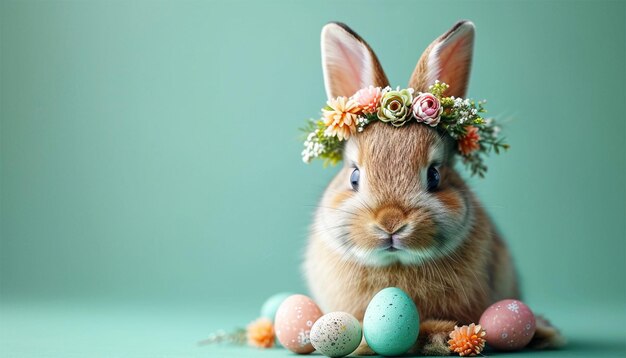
x=270, y=306
x=391, y=323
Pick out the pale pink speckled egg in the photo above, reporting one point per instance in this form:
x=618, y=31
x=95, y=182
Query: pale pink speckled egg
x=509, y=325
x=293, y=323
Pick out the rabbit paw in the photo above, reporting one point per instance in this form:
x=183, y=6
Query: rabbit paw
x=433, y=338
x=363, y=349
x=546, y=336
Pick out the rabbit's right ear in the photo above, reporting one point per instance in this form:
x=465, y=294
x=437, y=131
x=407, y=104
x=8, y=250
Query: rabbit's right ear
x=447, y=59
x=348, y=62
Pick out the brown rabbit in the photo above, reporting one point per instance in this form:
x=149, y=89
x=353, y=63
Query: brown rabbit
x=398, y=214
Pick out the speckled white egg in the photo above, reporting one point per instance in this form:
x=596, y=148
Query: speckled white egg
x=391, y=322
x=336, y=334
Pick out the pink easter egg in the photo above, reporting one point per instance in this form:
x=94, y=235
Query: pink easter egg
x=293, y=322
x=509, y=325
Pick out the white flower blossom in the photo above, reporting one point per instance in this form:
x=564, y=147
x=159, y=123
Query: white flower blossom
x=312, y=147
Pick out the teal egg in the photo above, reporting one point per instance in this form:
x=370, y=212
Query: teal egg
x=391, y=323
x=269, y=308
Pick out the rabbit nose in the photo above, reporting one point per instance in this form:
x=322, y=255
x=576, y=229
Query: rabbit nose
x=390, y=220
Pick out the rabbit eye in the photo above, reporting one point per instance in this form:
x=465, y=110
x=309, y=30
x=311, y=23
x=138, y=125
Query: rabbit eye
x=354, y=178
x=433, y=178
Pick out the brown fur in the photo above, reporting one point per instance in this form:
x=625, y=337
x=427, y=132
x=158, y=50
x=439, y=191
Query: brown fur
x=468, y=266
x=454, y=288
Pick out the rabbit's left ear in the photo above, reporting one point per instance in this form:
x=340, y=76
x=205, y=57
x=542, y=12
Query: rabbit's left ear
x=348, y=62
x=448, y=59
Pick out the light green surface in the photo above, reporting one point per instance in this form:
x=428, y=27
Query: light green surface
x=78, y=329
x=151, y=189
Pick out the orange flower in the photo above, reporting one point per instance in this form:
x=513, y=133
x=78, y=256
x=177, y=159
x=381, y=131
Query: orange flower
x=341, y=118
x=260, y=333
x=467, y=340
x=469, y=142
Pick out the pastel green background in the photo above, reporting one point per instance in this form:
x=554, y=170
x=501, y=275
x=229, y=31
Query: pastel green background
x=152, y=190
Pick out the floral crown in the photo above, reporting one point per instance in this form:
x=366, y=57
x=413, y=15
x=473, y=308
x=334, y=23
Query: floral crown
x=460, y=118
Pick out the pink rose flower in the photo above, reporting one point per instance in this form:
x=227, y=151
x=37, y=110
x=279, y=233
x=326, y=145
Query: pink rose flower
x=368, y=99
x=427, y=109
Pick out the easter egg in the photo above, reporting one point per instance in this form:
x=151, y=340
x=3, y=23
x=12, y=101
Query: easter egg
x=336, y=334
x=391, y=322
x=270, y=306
x=293, y=322
x=509, y=325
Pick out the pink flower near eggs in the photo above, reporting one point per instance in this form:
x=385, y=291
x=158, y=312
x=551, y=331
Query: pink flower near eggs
x=260, y=333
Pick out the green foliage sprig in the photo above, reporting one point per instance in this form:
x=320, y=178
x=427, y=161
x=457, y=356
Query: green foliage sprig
x=460, y=118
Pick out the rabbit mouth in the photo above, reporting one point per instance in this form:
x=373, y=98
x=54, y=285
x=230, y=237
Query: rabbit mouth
x=394, y=251
x=392, y=244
